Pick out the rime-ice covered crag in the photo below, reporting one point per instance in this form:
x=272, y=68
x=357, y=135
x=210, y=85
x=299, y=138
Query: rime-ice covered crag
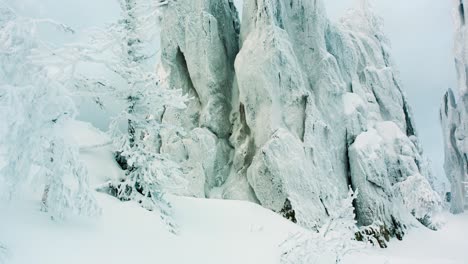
x=454, y=116
x=199, y=44
x=295, y=113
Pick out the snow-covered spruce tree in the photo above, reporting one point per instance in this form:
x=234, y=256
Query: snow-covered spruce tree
x=333, y=241
x=124, y=50
x=34, y=110
x=147, y=171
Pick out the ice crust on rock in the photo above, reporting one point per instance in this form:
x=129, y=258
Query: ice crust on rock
x=386, y=169
x=306, y=109
x=454, y=116
x=199, y=43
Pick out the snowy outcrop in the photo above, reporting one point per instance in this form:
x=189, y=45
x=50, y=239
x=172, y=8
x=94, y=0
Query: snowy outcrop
x=199, y=43
x=385, y=167
x=455, y=150
x=454, y=117
x=326, y=86
x=315, y=107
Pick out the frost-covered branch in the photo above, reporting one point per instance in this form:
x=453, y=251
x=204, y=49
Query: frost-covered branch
x=334, y=240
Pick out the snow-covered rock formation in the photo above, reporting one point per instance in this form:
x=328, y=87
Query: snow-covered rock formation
x=454, y=116
x=307, y=109
x=199, y=44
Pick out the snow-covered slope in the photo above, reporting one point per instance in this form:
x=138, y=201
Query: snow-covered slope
x=454, y=116
x=211, y=232
x=422, y=246
x=278, y=125
x=96, y=151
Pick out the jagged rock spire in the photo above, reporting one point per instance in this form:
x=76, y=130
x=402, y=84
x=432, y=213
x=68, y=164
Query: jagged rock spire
x=454, y=117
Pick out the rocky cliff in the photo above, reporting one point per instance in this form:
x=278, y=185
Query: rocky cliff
x=289, y=110
x=454, y=116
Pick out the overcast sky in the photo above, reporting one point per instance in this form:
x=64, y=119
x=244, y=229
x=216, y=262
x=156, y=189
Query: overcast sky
x=421, y=33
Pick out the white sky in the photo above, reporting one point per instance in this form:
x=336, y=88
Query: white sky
x=421, y=33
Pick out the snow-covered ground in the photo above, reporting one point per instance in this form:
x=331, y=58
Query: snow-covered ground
x=422, y=246
x=211, y=231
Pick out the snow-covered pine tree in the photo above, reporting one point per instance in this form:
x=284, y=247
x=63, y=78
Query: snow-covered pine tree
x=125, y=51
x=34, y=110
x=147, y=169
